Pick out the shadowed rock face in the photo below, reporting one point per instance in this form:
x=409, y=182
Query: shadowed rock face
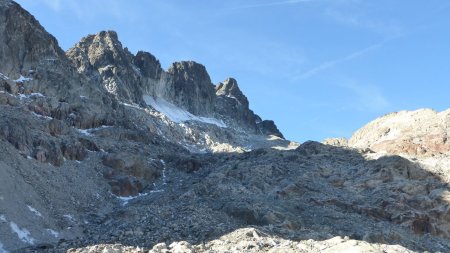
x=233, y=104
x=193, y=89
x=24, y=43
x=268, y=127
x=148, y=65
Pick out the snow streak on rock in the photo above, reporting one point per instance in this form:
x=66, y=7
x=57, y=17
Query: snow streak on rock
x=2, y=76
x=33, y=210
x=23, y=79
x=23, y=234
x=177, y=114
x=2, y=250
x=53, y=233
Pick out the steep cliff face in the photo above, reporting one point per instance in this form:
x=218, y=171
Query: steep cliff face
x=30, y=59
x=193, y=89
x=24, y=44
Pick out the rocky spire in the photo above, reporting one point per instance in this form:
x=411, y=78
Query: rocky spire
x=230, y=88
x=234, y=105
x=193, y=89
x=102, y=57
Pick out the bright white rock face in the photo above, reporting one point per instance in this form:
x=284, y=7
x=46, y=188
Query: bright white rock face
x=177, y=114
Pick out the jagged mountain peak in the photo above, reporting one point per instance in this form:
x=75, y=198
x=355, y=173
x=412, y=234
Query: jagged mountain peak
x=186, y=84
x=102, y=49
x=230, y=88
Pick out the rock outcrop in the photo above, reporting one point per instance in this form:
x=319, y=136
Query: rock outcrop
x=102, y=58
x=268, y=127
x=24, y=44
x=192, y=87
x=233, y=104
x=417, y=133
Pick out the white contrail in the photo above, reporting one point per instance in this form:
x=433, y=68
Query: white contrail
x=330, y=64
x=270, y=4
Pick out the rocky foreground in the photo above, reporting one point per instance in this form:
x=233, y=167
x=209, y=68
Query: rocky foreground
x=102, y=150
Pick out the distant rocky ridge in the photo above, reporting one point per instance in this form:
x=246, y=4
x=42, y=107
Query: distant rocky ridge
x=102, y=150
x=186, y=84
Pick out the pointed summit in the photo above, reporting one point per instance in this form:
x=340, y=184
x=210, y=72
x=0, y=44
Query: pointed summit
x=230, y=88
x=98, y=50
x=102, y=58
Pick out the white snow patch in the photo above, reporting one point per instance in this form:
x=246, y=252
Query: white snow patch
x=29, y=157
x=136, y=69
x=83, y=97
x=164, y=179
x=53, y=233
x=33, y=210
x=2, y=218
x=136, y=106
x=84, y=131
x=35, y=94
x=2, y=76
x=2, y=250
x=23, y=234
x=87, y=131
x=177, y=114
x=69, y=217
x=41, y=116
x=126, y=199
x=23, y=79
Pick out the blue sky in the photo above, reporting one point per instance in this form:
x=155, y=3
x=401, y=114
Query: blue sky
x=319, y=68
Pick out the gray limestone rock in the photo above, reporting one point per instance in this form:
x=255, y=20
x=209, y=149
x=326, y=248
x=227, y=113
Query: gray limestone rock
x=233, y=105
x=24, y=44
x=192, y=86
x=102, y=58
x=148, y=65
x=268, y=127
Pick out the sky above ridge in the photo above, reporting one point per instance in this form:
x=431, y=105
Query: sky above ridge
x=318, y=68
